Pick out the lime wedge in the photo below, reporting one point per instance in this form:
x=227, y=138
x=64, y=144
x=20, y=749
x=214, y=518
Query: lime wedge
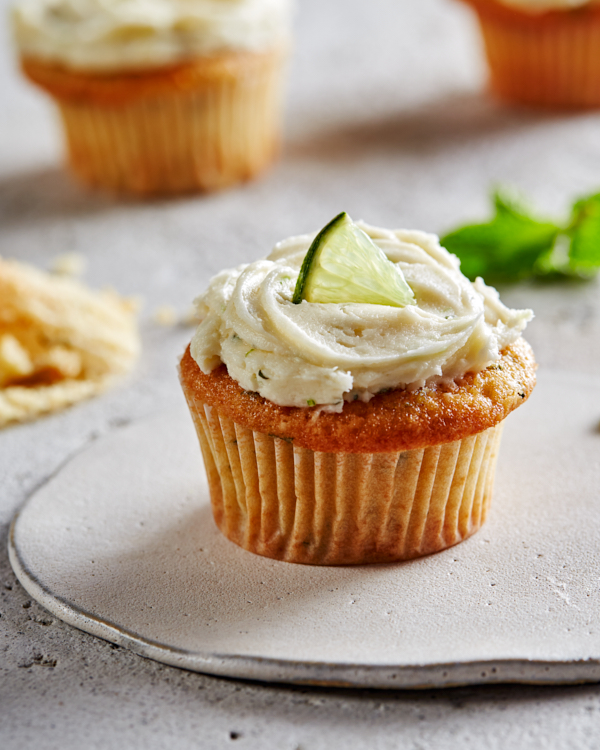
x=343, y=264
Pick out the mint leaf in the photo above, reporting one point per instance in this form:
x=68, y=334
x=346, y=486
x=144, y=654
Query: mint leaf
x=584, y=231
x=514, y=245
x=506, y=248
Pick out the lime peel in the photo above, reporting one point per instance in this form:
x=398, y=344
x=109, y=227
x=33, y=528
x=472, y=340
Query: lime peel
x=343, y=264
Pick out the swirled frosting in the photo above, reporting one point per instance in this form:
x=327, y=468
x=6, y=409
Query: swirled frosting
x=310, y=353
x=122, y=34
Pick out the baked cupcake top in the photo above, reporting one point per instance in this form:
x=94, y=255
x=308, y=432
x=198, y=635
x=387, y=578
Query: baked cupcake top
x=325, y=354
x=109, y=35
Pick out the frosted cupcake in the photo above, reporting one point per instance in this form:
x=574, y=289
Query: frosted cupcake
x=348, y=393
x=543, y=52
x=160, y=96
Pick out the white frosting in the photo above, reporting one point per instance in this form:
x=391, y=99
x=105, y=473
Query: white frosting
x=297, y=355
x=540, y=6
x=118, y=34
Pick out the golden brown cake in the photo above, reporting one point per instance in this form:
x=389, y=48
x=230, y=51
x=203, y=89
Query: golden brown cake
x=295, y=485
x=383, y=473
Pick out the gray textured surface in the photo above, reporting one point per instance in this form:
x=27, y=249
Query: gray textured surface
x=386, y=119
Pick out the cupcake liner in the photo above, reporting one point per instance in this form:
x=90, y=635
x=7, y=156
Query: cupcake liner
x=290, y=503
x=204, y=136
x=550, y=59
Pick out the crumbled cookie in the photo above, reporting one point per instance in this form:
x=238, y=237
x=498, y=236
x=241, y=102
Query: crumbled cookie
x=59, y=341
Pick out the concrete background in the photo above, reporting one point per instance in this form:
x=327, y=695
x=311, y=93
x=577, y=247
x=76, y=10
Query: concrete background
x=387, y=118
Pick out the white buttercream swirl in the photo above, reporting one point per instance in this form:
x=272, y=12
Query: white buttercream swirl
x=123, y=34
x=306, y=354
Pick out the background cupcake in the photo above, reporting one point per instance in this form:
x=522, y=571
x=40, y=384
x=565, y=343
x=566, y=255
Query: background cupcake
x=354, y=415
x=160, y=96
x=543, y=52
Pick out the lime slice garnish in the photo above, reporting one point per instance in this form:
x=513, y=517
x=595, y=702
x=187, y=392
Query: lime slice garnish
x=343, y=264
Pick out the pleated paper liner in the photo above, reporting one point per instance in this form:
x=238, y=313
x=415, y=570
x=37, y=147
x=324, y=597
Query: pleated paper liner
x=550, y=59
x=290, y=503
x=198, y=133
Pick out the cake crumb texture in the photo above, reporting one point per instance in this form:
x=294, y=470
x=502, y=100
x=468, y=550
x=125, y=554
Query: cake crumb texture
x=59, y=341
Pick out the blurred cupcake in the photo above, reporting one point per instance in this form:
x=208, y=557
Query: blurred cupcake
x=160, y=96
x=544, y=52
x=348, y=394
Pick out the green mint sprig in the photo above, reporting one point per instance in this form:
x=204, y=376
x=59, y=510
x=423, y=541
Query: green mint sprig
x=515, y=245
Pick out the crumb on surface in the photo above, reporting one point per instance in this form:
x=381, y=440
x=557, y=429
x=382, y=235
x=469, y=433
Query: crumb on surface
x=70, y=264
x=165, y=315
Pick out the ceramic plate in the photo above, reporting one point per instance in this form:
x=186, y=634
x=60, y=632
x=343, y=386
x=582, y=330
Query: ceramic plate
x=121, y=543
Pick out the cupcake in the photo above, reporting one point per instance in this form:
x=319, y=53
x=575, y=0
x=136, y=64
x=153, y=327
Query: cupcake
x=160, y=96
x=348, y=393
x=544, y=52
